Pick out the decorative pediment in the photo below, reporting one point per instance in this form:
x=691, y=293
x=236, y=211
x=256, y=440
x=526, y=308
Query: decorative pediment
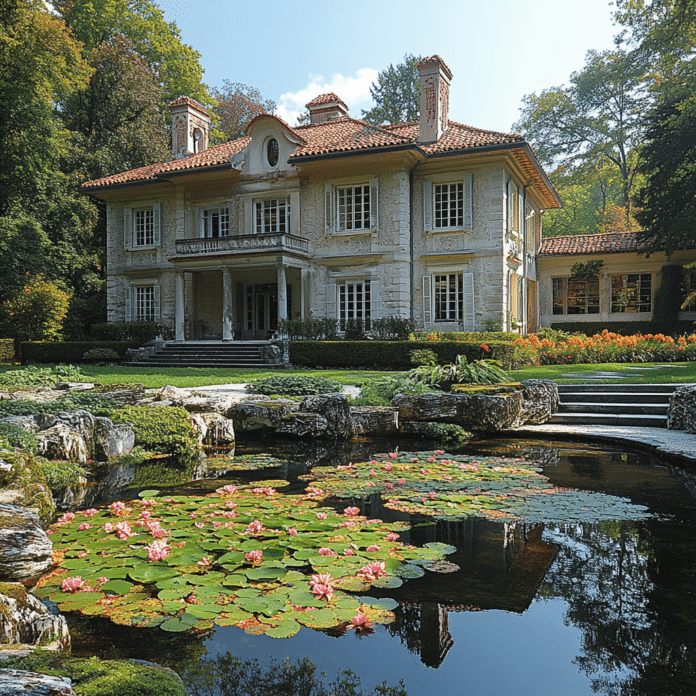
x=272, y=143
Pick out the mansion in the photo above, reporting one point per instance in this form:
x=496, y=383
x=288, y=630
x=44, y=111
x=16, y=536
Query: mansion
x=431, y=220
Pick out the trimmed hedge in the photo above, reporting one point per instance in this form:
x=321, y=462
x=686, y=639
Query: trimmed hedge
x=626, y=328
x=7, y=350
x=391, y=354
x=69, y=352
x=142, y=331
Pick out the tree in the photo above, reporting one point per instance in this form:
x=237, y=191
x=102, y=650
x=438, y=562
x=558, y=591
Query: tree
x=396, y=93
x=236, y=105
x=595, y=121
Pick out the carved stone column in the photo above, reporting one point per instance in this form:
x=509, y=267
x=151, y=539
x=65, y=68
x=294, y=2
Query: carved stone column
x=179, y=310
x=227, y=313
x=282, y=294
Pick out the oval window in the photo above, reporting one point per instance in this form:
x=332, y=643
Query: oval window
x=272, y=152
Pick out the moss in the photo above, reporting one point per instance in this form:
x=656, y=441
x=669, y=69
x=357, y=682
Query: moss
x=500, y=389
x=62, y=475
x=15, y=591
x=95, y=677
x=28, y=478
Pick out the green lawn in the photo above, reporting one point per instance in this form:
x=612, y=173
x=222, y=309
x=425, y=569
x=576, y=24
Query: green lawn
x=636, y=373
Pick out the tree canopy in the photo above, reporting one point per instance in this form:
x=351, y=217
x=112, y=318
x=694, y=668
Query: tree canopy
x=237, y=104
x=396, y=93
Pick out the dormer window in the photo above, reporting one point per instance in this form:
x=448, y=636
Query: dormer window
x=272, y=152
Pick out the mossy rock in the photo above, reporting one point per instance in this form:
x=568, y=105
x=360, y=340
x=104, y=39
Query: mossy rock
x=504, y=388
x=27, y=478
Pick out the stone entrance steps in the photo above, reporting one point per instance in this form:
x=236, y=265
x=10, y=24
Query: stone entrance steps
x=640, y=405
x=234, y=354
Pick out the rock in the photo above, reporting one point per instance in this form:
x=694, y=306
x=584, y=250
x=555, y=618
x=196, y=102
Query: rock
x=25, y=549
x=209, y=404
x=374, y=420
x=335, y=409
x=14, y=682
x=219, y=430
x=260, y=415
x=26, y=620
x=199, y=426
x=82, y=422
x=23, y=483
x=112, y=440
x=478, y=412
x=27, y=423
x=309, y=425
x=169, y=393
x=540, y=400
x=63, y=443
x=75, y=386
x=682, y=401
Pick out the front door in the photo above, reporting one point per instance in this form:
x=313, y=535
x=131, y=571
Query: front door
x=261, y=311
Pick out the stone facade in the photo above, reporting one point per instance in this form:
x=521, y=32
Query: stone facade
x=435, y=221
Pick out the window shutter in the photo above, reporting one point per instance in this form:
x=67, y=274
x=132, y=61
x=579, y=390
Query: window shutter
x=127, y=227
x=200, y=229
x=156, y=301
x=331, y=306
x=156, y=224
x=375, y=304
x=374, y=203
x=509, y=206
x=469, y=319
x=328, y=207
x=427, y=302
x=129, y=305
x=468, y=201
x=427, y=205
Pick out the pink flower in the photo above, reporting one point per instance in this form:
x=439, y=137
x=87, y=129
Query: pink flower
x=349, y=551
x=230, y=489
x=370, y=484
x=230, y=504
x=81, y=554
x=321, y=515
x=375, y=521
x=439, y=451
x=360, y=622
x=199, y=525
x=425, y=471
x=392, y=536
x=72, y=584
x=372, y=571
x=292, y=531
x=323, y=592
x=321, y=579
x=145, y=514
x=388, y=466
x=350, y=511
x=169, y=500
x=123, y=531
x=254, y=556
x=415, y=460
x=389, y=486
x=85, y=525
x=108, y=527
x=432, y=495
x=230, y=513
x=372, y=547
x=157, y=551
x=314, y=492
x=348, y=523
x=372, y=472
x=101, y=580
x=324, y=551
x=158, y=533
x=431, y=460
x=67, y=517
x=393, y=455
x=117, y=507
x=374, y=462
x=402, y=482
x=91, y=512
x=148, y=503
x=254, y=527
x=204, y=562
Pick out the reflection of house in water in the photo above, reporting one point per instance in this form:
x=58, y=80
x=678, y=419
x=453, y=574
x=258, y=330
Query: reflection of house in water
x=502, y=566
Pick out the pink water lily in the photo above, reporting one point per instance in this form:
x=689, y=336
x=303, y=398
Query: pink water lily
x=254, y=527
x=91, y=512
x=292, y=531
x=372, y=547
x=123, y=531
x=108, y=527
x=321, y=515
x=254, y=556
x=158, y=550
x=324, y=551
x=67, y=517
x=118, y=507
x=388, y=466
x=74, y=584
x=360, y=622
x=393, y=455
x=84, y=526
x=204, y=562
x=350, y=511
x=392, y=536
x=323, y=592
x=372, y=571
x=321, y=579
x=439, y=451
x=230, y=489
x=148, y=503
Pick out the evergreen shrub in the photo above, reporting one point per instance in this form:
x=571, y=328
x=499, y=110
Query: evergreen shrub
x=70, y=352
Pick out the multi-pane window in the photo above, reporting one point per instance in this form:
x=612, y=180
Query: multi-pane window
x=631, y=293
x=353, y=204
x=575, y=296
x=272, y=216
x=216, y=222
x=354, y=302
x=449, y=297
x=145, y=303
x=144, y=227
x=448, y=205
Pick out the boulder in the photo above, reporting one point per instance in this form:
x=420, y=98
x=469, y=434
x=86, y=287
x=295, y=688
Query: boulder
x=540, y=400
x=374, y=420
x=260, y=416
x=27, y=423
x=335, y=409
x=308, y=425
x=25, y=549
x=14, y=682
x=199, y=427
x=24, y=620
x=478, y=412
x=81, y=422
x=63, y=443
x=219, y=430
x=209, y=404
x=174, y=394
x=112, y=440
x=682, y=408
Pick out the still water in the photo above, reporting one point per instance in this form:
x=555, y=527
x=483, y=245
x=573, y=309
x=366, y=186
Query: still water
x=574, y=609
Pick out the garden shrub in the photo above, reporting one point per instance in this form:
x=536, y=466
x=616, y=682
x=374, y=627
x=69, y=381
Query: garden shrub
x=355, y=330
x=70, y=351
x=101, y=355
x=138, y=331
x=392, y=328
x=446, y=433
x=669, y=298
x=461, y=371
x=309, y=329
x=13, y=437
x=380, y=391
x=424, y=356
x=7, y=350
x=26, y=475
x=624, y=328
x=61, y=475
x=167, y=430
x=73, y=401
x=292, y=385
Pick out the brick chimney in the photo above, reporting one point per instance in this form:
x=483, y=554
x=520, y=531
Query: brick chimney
x=190, y=127
x=435, y=79
x=326, y=107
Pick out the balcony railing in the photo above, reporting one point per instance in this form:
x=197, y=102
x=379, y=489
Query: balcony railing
x=242, y=244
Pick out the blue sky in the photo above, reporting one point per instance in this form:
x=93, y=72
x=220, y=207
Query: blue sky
x=497, y=50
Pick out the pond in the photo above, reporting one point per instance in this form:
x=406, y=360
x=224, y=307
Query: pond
x=536, y=608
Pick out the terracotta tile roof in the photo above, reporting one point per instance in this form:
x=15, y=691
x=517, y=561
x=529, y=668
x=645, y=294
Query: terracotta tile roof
x=612, y=243
x=190, y=102
x=329, y=98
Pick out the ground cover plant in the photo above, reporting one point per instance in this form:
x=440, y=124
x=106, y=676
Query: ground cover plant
x=452, y=487
x=294, y=385
x=247, y=556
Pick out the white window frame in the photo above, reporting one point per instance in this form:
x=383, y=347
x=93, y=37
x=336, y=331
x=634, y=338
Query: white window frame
x=135, y=296
x=464, y=305
x=134, y=236
x=431, y=222
x=265, y=206
x=340, y=214
x=636, y=289
x=207, y=222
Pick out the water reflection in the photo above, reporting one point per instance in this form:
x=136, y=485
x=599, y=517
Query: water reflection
x=627, y=590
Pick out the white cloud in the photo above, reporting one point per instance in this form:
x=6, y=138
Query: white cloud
x=354, y=91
